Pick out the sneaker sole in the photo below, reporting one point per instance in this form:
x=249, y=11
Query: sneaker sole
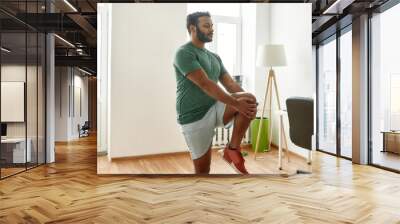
x=221, y=152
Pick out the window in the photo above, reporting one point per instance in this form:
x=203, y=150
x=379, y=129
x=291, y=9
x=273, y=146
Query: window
x=394, y=102
x=335, y=94
x=385, y=89
x=327, y=97
x=22, y=77
x=346, y=94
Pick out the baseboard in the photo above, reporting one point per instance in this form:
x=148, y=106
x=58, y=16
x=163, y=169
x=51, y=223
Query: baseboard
x=169, y=153
x=148, y=155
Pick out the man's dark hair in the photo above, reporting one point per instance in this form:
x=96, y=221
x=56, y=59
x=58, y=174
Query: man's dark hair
x=193, y=19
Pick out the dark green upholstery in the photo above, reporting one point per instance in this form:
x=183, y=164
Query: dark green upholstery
x=301, y=120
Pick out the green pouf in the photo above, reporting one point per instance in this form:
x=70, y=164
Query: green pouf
x=264, y=137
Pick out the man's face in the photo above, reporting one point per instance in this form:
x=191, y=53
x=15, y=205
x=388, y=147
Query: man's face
x=204, y=29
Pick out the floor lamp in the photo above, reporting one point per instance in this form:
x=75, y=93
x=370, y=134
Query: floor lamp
x=269, y=56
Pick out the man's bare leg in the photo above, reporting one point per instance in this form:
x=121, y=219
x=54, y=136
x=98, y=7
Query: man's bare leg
x=241, y=124
x=202, y=164
x=232, y=153
x=240, y=127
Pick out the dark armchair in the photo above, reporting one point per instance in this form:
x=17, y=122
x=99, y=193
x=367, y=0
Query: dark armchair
x=301, y=122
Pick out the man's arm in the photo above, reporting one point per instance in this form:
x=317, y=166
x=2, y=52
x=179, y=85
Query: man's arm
x=233, y=87
x=199, y=78
x=230, y=84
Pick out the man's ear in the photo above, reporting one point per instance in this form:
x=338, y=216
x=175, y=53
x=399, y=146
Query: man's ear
x=192, y=29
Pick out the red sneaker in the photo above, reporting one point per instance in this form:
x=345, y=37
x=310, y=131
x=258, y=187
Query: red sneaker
x=235, y=159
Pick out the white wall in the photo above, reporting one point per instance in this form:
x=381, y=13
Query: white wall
x=81, y=108
x=249, y=45
x=103, y=73
x=61, y=103
x=288, y=24
x=142, y=85
x=67, y=83
x=263, y=33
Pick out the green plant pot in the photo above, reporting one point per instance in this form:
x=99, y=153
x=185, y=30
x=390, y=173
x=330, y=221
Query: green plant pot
x=264, y=137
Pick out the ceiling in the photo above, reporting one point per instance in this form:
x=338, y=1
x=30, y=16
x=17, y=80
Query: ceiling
x=77, y=25
x=76, y=22
x=332, y=15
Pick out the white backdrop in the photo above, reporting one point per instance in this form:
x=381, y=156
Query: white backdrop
x=12, y=101
x=144, y=38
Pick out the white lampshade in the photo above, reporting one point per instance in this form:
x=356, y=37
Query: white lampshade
x=271, y=55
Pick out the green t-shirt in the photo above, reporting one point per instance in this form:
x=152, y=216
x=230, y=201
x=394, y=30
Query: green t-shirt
x=192, y=103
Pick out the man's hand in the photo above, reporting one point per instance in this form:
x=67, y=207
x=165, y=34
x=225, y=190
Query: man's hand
x=246, y=107
x=247, y=104
x=250, y=96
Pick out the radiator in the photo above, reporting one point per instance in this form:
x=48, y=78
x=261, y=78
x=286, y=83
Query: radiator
x=222, y=137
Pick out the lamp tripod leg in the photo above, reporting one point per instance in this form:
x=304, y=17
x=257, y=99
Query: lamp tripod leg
x=271, y=73
x=281, y=120
x=262, y=116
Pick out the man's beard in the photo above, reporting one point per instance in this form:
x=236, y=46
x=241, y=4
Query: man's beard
x=202, y=36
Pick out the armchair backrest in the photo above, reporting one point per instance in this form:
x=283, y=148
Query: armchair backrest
x=301, y=120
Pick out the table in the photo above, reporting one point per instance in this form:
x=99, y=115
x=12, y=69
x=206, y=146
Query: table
x=391, y=141
x=17, y=151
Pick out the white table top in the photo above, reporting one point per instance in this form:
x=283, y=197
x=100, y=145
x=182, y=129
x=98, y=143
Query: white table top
x=13, y=140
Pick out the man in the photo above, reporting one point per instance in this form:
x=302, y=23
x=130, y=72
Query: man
x=202, y=105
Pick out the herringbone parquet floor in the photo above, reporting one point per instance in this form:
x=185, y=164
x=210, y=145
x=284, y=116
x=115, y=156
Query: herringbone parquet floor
x=181, y=163
x=70, y=191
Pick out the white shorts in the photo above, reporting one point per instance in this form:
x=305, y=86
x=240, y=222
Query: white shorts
x=199, y=134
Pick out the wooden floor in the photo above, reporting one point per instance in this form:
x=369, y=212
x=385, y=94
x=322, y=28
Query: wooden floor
x=387, y=159
x=10, y=171
x=181, y=163
x=5, y=172
x=70, y=191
